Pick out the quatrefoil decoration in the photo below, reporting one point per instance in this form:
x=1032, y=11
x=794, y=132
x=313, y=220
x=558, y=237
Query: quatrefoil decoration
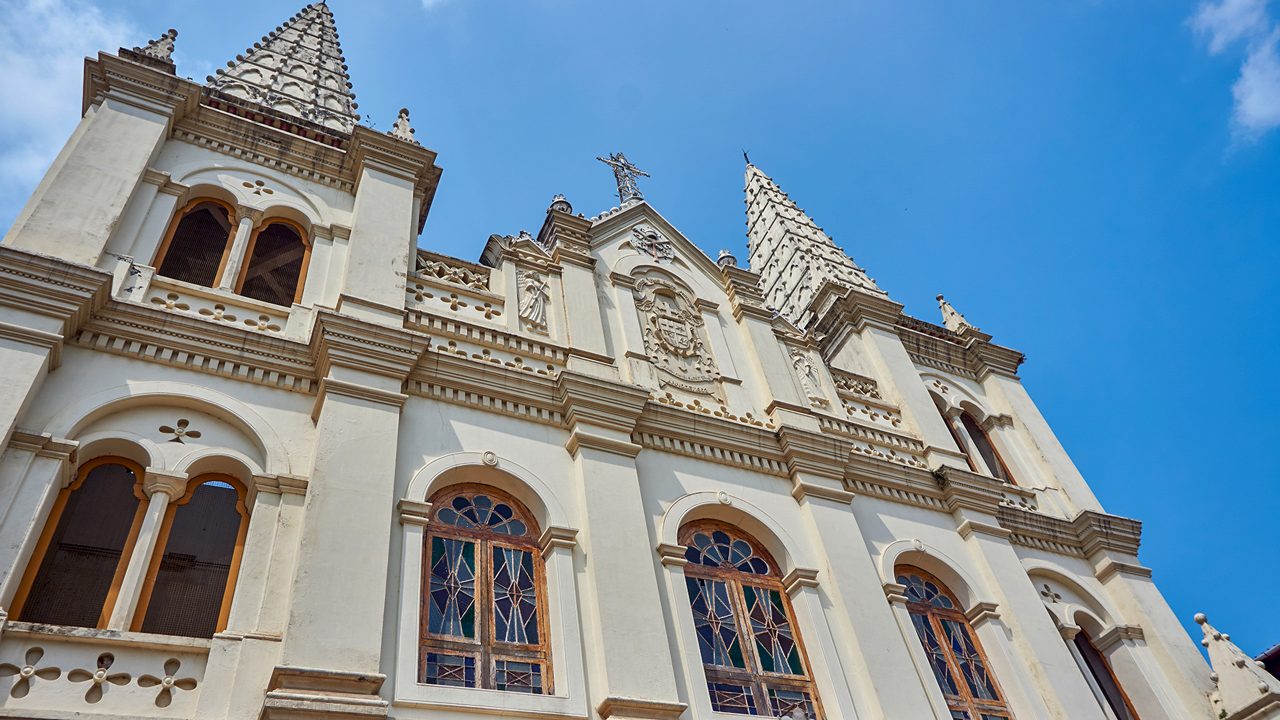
x=179, y=430
x=167, y=683
x=29, y=672
x=99, y=678
x=1048, y=594
x=258, y=187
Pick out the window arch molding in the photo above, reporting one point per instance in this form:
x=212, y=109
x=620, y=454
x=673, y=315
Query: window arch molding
x=789, y=553
x=21, y=608
x=557, y=547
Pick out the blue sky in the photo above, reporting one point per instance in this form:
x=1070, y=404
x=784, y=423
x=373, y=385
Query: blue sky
x=1091, y=181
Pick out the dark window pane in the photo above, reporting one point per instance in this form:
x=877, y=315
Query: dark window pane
x=730, y=698
x=776, y=645
x=970, y=661
x=452, y=588
x=985, y=448
x=196, y=249
x=84, y=552
x=450, y=670
x=713, y=622
x=1101, y=671
x=516, y=676
x=186, y=597
x=515, y=598
x=273, y=269
x=937, y=657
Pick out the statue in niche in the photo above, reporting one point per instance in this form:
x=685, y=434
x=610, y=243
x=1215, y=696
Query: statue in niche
x=673, y=340
x=534, y=295
x=810, y=380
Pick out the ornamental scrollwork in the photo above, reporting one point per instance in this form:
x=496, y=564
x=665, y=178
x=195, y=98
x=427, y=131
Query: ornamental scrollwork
x=652, y=243
x=674, y=338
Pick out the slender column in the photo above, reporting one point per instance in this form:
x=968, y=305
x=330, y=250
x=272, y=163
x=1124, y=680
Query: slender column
x=333, y=640
x=1033, y=639
x=161, y=488
x=824, y=662
x=83, y=195
x=632, y=671
x=875, y=657
x=249, y=218
x=33, y=469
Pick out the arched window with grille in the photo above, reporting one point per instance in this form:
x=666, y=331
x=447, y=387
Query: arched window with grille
x=275, y=263
x=483, y=616
x=196, y=247
x=951, y=646
x=751, y=651
x=982, y=443
x=193, y=571
x=75, y=573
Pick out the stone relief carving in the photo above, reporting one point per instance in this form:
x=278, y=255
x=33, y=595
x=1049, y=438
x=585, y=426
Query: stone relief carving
x=652, y=243
x=810, y=380
x=673, y=339
x=534, y=296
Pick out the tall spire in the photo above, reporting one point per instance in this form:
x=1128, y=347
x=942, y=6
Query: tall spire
x=297, y=70
x=951, y=318
x=793, y=256
x=1243, y=690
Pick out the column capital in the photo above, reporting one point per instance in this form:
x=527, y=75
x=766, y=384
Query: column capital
x=673, y=555
x=413, y=512
x=804, y=489
x=556, y=538
x=814, y=453
x=982, y=613
x=168, y=483
x=252, y=214
x=1116, y=635
x=895, y=593
x=626, y=708
x=798, y=579
x=1068, y=631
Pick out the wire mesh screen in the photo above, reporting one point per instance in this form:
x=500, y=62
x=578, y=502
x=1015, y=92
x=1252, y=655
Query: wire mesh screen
x=196, y=249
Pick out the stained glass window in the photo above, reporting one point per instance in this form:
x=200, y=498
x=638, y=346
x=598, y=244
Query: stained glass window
x=483, y=586
x=952, y=648
x=751, y=654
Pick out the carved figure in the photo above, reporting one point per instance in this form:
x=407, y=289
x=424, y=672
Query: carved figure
x=533, y=299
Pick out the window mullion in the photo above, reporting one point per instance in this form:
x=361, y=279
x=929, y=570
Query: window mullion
x=484, y=613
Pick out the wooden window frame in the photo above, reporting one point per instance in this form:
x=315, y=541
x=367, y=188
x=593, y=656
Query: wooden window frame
x=55, y=517
x=995, y=451
x=192, y=204
x=162, y=540
x=307, y=244
x=1106, y=664
x=964, y=702
x=486, y=650
x=751, y=676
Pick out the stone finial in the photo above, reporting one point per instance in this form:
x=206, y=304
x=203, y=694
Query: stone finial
x=726, y=259
x=1242, y=688
x=561, y=204
x=161, y=48
x=952, y=319
x=401, y=129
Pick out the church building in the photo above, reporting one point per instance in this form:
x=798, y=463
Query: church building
x=264, y=457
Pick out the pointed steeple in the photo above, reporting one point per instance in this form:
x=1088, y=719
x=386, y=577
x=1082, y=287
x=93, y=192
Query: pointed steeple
x=1242, y=688
x=157, y=53
x=297, y=71
x=793, y=256
x=952, y=319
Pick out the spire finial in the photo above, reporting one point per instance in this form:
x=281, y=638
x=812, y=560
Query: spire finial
x=745, y=156
x=625, y=173
x=400, y=128
x=161, y=48
x=951, y=318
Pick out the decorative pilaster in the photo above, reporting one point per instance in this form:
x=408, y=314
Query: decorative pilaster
x=622, y=605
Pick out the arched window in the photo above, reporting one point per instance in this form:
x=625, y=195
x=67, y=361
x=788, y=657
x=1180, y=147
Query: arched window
x=751, y=652
x=957, y=660
x=988, y=451
x=196, y=248
x=958, y=438
x=275, y=264
x=193, y=571
x=1104, y=680
x=483, y=595
x=80, y=559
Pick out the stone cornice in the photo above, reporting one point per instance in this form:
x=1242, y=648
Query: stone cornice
x=596, y=402
x=343, y=341
x=625, y=708
x=54, y=288
x=969, y=353
x=964, y=490
x=566, y=237
x=1089, y=533
x=1099, y=531
x=370, y=148
x=1116, y=635
x=164, y=92
x=813, y=453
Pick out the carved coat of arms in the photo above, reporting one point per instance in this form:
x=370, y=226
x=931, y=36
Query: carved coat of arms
x=652, y=243
x=673, y=338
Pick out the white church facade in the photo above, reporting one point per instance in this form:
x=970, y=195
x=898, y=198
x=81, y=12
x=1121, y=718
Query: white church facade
x=265, y=458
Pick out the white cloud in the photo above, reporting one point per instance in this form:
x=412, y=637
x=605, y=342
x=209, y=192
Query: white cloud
x=1256, y=91
x=43, y=44
x=1229, y=21
x=432, y=4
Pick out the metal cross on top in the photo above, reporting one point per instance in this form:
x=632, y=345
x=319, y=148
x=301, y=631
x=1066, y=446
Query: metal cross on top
x=625, y=173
